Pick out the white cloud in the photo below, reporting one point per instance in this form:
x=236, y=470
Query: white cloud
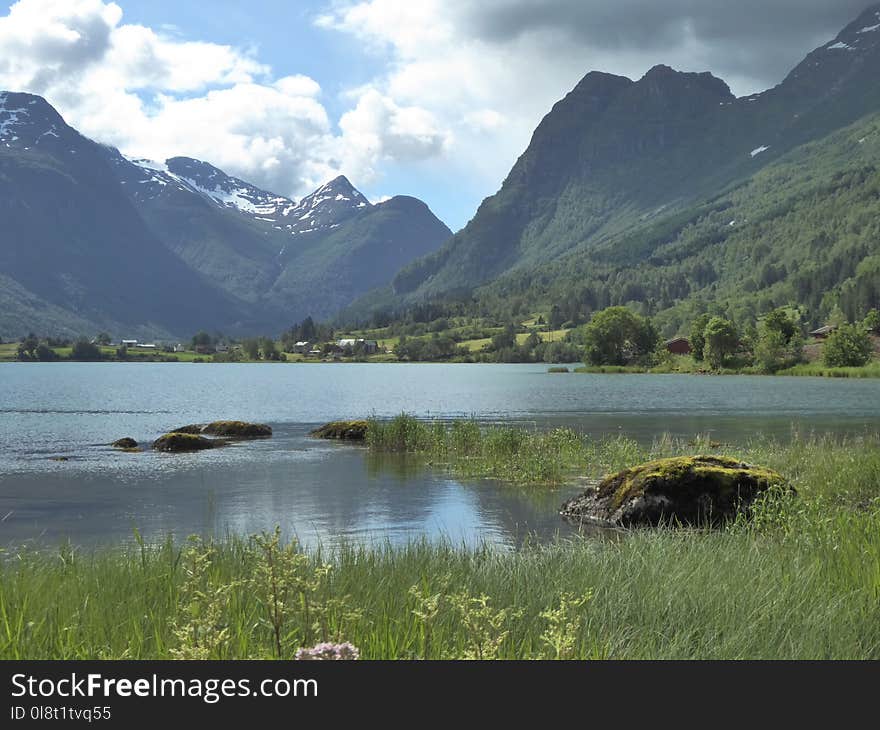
x=154, y=94
x=488, y=71
x=462, y=88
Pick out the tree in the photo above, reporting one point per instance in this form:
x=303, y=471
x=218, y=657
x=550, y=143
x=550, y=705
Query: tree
x=722, y=340
x=102, y=339
x=251, y=347
x=202, y=339
x=848, y=346
x=618, y=336
x=557, y=318
x=85, y=350
x=871, y=322
x=779, y=342
x=779, y=321
x=268, y=349
x=44, y=353
x=504, y=340
x=698, y=336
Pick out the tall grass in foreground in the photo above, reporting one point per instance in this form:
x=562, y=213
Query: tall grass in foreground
x=809, y=593
x=801, y=580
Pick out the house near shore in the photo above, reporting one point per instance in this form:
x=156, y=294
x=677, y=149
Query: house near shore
x=302, y=348
x=368, y=347
x=679, y=346
x=129, y=343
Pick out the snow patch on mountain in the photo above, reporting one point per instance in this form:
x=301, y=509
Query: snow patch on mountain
x=323, y=209
x=9, y=118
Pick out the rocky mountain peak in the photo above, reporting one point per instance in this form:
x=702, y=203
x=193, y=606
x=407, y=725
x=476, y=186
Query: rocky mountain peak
x=328, y=206
x=27, y=120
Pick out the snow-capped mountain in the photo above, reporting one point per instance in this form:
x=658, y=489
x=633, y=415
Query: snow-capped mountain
x=325, y=208
x=91, y=240
x=28, y=121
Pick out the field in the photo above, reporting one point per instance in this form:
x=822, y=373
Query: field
x=800, y=581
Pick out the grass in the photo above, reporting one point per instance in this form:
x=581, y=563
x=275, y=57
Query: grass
x=800, y=581
x=818, y=466
x=807, y=590
x=686, y=365
x=816, y=369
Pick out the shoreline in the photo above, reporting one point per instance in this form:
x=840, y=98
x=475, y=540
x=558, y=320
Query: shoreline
x=871, y=371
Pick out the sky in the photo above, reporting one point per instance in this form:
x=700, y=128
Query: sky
x=431, y=98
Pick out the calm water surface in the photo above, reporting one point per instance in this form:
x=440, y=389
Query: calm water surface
x=324, y=492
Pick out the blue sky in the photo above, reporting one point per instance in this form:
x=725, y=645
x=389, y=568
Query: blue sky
x=432, y=98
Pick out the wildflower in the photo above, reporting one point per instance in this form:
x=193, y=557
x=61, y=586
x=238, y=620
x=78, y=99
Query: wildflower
x=328, y=651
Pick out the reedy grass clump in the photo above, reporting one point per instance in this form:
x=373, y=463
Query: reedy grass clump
x=842, y=469
x=511, y=454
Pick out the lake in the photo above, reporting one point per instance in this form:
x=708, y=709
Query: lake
x=325, y=493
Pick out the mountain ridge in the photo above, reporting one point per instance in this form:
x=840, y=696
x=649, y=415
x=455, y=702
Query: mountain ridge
x=225, y=243
x=614, y=155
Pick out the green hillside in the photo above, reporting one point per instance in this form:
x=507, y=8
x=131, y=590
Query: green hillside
x=670, y=195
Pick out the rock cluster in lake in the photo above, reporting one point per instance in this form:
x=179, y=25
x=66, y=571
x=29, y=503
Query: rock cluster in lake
x=193, y=437
x=179, y=442
x=228, y=429
x=686, y=490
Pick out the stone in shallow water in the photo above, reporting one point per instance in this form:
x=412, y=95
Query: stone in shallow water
x=687, y=490
x=125, y=443
x=238, y=430
x=342, y=431
x=192, y=428
x=179, y=442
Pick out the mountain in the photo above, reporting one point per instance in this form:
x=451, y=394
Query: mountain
x=94, y=241
x=288, y=260
x=617, y=165
x=74, y=251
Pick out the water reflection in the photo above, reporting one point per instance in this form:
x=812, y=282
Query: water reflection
x=327, y=493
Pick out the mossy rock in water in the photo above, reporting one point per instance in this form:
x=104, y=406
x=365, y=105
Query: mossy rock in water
x=193, y=428
x=686, y=490
x=125, y=444
x=178, y=442
x=238, y=430
x=343, y=431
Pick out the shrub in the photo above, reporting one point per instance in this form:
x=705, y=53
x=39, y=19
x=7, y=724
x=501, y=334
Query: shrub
x=848, y=346
x=85, y=350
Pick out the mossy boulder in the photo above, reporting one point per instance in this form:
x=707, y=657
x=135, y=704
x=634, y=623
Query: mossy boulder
x=686, y=490
x=343, y=431
x=125, y=443
x=180, y=442
x=238, y=430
